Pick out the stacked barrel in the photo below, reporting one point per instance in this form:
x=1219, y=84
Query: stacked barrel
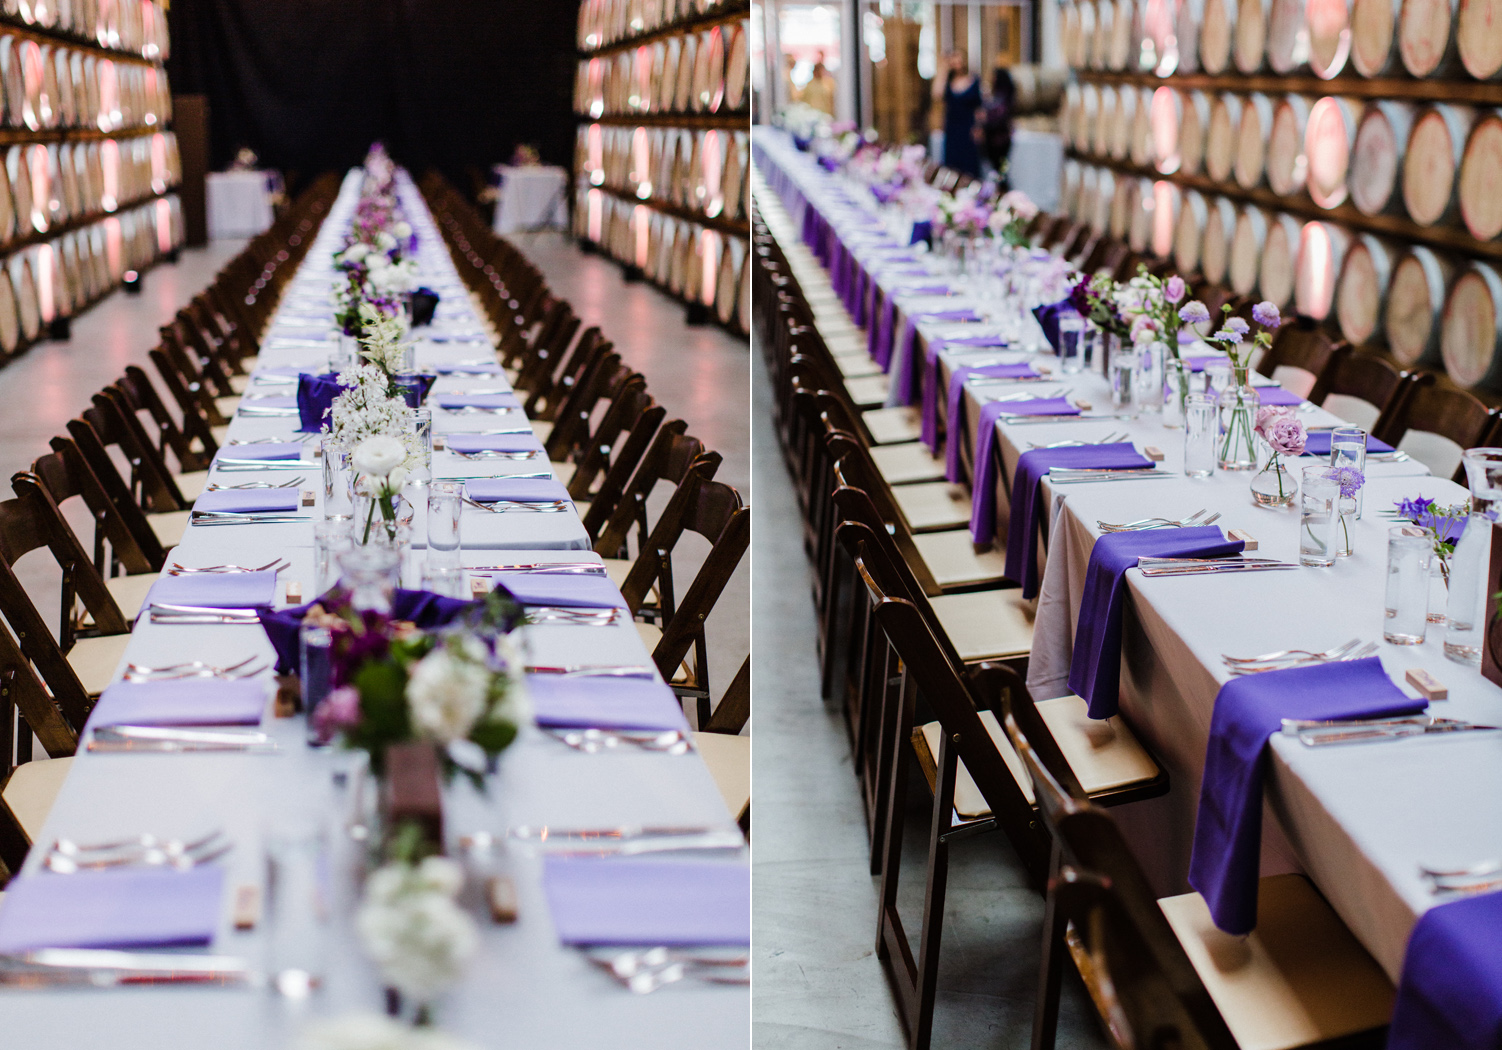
x=1339, y=157
x=663, y=152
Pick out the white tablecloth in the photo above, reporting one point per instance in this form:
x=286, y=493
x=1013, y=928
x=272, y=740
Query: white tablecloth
x=531, y=197
x=239, y=203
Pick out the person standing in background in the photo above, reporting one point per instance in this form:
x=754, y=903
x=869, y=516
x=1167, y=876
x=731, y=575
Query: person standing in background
x=960, y=91
x=819, y=91
x=1000, y=108
x=789, y=85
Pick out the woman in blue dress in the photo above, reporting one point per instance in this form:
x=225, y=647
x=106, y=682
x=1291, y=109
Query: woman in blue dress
x=962, y=100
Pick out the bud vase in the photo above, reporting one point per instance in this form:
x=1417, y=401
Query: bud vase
x=1274, y=486
x=1238, y=423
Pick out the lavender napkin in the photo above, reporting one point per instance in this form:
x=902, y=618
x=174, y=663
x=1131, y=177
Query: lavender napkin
x=263, y=450
x=423, y=608
x=1048, y=319
x=904, y=353
x=929, y=430
x=521, y=490
x=1228, y=828
x=493, y=442
x=880, y=333
x=1318, y=444
x=922, y=231
x=1032, y=467
x=452, y=401
x=228, y=590
x=983, y=483
x=1276, y=395
x=565, y=589
x=1198, y=362
x=182, y=702
x=613, y=900
x=954, y=401
x=1450, y=995
x=249, y=501
x=125, y=908
x=605, y=703
x=1095, y=668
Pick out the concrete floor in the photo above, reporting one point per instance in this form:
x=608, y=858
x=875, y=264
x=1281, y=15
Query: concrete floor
x=818, y=984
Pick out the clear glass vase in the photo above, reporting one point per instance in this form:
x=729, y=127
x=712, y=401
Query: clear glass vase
x=1467, y=609
x=1439, y=588
x=1150, y=362
x=1347, y=509
x=1238, y=423
x=1176, y=391
x=371, y=572
x=1274, y=485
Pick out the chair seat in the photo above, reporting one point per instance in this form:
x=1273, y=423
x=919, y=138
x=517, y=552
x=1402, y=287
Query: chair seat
x=888, y=426
x=31, y=790
x=239, y=383
x=192, y=484
x=910, y=461
x=851, y=343
x=856, y=365
x=129, y=592
x=729, y=761
x=541, y=429
x=953, y=561
x=868, y=391
x=931, y=505
x=227, y=405
x=1299, y=978
x=220, y=434
x=94, y=660
x=986, y=625
x=170, y=526
x=650, y=635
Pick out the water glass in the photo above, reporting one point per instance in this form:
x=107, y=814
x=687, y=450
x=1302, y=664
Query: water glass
x=422, y=426
x=1348, y=449
x=329, y=539
x=1150, y=376
x=338, y=494
x=1071, y=345
x=297, y=908
x=1124, y=380
x=444, y=504
x=1176, y=390
x=1201, y=418
x=1407, y=605
x=1092, y=348
x=445, y=579
x=1319, y=496
x=1218, y=377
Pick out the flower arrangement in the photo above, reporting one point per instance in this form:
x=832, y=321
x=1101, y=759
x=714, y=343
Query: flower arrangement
x=1009, y=219
x=1094, y=298
x=1233, y=330
x=1442, y=524
x=366, y=408
x=380, y=465
x=1150, y=306
x=381, y=339
x=1350, y=481
x=1285, y=435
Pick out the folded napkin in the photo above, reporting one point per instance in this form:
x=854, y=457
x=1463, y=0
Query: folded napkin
x=263, y=450
x=955, y=399
x=617, y=900
x=1048, y=316
x=1317, y=443
x=1095, y=668
x=182, y=702
x=461, y=368
x=922, y=231
x=520, y=490
x=452, y=401
x=493, y=442
x=123, y=908
x=1450, y=995
x=422, y=608
x=1037, y=406
x=1032, y=468
x=1276, y=395
x=249, y=501
x=228, y=590
x=605, y=703
x=1248, y=710
x=424, y=306
x=983, y=483
x=414, y=387
x=573, y=590
x=879, y=335
x=315, y=395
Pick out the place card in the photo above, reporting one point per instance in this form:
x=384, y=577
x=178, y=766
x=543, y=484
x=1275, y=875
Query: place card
x=294, y=592
x=500, y=898
x=1429, y=687
x=1153, y=452
x=247, y=907
x=308, y=497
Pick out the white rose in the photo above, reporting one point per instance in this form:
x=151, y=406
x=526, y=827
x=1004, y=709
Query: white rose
x=402, y=231
x=397, y=477
x=379, y=456
x=357, y=251
x=384, y=241
x=420, y=940
x=446, y=695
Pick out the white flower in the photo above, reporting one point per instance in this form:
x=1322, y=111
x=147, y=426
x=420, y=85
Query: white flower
x=384, y=241
x=412, y=929
x=447, y=695
x=378, y=456
x=401, y=230
x=355, y=252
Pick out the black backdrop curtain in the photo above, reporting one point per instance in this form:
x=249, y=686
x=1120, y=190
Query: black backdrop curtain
x=310, y=84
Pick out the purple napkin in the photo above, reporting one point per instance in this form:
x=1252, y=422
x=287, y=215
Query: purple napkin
x=460, y=368
x=423, y=608
x=955, y=400
x=124, y=908
x=1276, y=395
x=1317, y=443
x=573, y=590
x=1048, y=319
x=315, y=395
x=1198, y=362
x=910, y=338
x=182, y=702
x=983, y=482
x=1248, y=710
x=424, y=305
x=228, y=590
x=249, y=501
x=493, y=442
x=451, y=401
x=1450, y=995
x=263, y=450
x=521, y=490
x=605, y=703
x=1032, y=467
x=616, y=900
x=1095, y=668
x=880, y=341
x=922, y=231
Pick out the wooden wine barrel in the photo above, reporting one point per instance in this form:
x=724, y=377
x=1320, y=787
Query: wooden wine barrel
x=1069, y=189
x=1480, y=170
x=1069, y=33
x=1168, y=200
x=1377, y=156
x=727, y=284
x=1144, y=207
x=1194, y=125
x=1186, y=30
x=10, y=316
x=1322, y=253
x=1329, y=23
x=1124, y=33
x=1089, y=113
x=1478, y=39
x=1425, y=43
x=1415, y=299
x=688, y=57
x=1100, y=42
x=1361, y=290
x=738, y=68
x=1085, y=42
x=1217, y=33
x=1141, y=152
x=1436, y=143
x=1068, y=108
x=1328, y=137
x=1124, y=197
x=1166, y=116
x=1249, y=52
x=1470, y=342
x=1287, y=167
x=1158, y=48
x=1252, y=133
x=1245, y=257
x=1105, y=200
x=1189, y=232
x=24, y=276
x=1374, y=37
x=1280, y=250
x=1113, y=128
x=1220, y=139
x=1037, y=89
x=1215, y=244
x=1084, y=194
x=1287, y=37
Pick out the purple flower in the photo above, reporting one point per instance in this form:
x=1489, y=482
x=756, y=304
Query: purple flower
x=1281, y=430
x=1175, y=289
x=1266, y=314
x=1228, y=335
x=340, y=709
x=1413, y=509
x=1237, y=325
x=1194, y=312
x=1350, y=480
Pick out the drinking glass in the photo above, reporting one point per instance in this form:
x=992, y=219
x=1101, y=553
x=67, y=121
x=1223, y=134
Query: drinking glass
x=1200, y=432
x=422, y=426
x=444, y=504
x=440, y=578
x=1319, y=496
x=297, y=908
x=1150, y=376
x=1124, y=380
x=1176, y=392
x=371, y=572
x=1466, y=612
x=329, y=538
x=1407, y=605
x=1218, y=377
x=338, y=496
x=1348, y=449
x=314, y=641
x=1071, y=345
x=1092, y=348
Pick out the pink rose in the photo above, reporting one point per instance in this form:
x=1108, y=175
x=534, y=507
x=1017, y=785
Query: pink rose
x=1278, y=427
x=1174, y=289
x=339, y=709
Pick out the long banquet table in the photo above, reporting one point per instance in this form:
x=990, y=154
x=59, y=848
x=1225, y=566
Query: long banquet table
x=523, y=987
x=1358, y=820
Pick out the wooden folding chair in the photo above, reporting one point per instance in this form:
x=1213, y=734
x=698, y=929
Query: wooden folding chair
x=726, y=752
x=1434, y=406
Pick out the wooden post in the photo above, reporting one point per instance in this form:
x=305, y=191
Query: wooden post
x=190, y=118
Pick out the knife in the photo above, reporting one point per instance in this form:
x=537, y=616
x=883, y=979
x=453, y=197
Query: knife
x=105, y=968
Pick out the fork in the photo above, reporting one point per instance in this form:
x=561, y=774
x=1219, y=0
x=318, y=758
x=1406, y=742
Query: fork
x=649, y=981
x=493, y=454
x=291, y=483
x=1355, y=654
x=175, y=569
x=203, y=852
x=1156, y=523
x=198, y=664
x=1109, y=439
x=1281, y=654
x=502, y=506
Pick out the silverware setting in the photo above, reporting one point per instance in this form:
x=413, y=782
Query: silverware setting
x=493, y=454
x=476, y=410
x=643, y=971
x=290, y=483
x=1157, y=523
x=594, y=741
x=197, y=614
x=575, y=617
x=1083, y=417
x=171, y=739
x=502, y=430
x=1110, y=439
x=1081, y=477
x=176, y=569
x=1481, y=877
x=505, y=505
x=596, y=671
x=1346, y=653
x=193, y=669
x=1363, y=731
x=228, y=463
x=1207, y=566
x=144, y=851
x=215, y=517
x=102, y=968
x=1021, y=395
x=578, y=568
x=525, y=833
x=1294, y=655
x=1005, y=380
x=251, y=411
x=713, y=841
